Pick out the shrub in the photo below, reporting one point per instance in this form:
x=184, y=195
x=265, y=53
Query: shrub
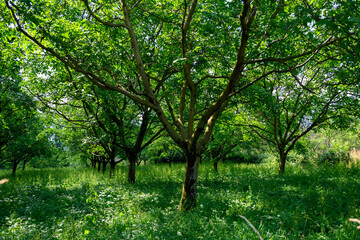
x=332, y=157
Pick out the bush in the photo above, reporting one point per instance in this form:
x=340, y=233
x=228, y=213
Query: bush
x=253, y=158
x=332, y=157
x=177, y=157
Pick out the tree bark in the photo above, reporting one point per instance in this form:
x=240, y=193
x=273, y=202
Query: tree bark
x=132, y=166
x=112, y=168
x=188, y=197
x=282, y=162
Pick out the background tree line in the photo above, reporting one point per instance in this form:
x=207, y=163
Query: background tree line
x=200, y=80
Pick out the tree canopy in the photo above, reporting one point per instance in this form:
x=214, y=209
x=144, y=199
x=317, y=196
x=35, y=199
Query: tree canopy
x=186, y=60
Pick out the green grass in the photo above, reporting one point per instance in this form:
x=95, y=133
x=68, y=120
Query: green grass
x=306, y=202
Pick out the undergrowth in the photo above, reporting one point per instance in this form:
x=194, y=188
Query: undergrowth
x=306, y=202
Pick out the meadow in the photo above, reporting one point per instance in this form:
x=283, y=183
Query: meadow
x=307, y=202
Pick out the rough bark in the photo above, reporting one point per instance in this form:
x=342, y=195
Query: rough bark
x=188, y=197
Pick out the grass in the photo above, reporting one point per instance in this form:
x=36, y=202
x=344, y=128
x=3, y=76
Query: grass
x=306, y=202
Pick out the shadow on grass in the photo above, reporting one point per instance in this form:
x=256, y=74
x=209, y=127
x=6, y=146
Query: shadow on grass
x=43, y=204
x=296, y=204
x=300, y=203
x=42, y=197
x=303, y=202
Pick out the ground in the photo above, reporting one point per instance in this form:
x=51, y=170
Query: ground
x=307, y=202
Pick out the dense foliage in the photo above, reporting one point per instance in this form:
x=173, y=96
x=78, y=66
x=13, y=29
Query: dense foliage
x=187, y=60
x=229, y=90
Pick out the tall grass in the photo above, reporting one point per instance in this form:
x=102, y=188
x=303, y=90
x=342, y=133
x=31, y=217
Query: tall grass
x=306, y=202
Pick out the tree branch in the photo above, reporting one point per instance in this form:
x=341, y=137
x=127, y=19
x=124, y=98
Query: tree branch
x=109, y=24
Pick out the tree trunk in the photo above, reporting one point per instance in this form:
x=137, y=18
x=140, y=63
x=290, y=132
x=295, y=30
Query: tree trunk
x=132, y=166
x=188, y=197
x=93, y=162
x=215, y=165
x=15, y=163
x=104, y=163
x=282, y=162
x=24, y=164
x=112, y=168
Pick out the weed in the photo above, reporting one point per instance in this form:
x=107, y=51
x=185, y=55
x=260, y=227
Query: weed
x=307, y=202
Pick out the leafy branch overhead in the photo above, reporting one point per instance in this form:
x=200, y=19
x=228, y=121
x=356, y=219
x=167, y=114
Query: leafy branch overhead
x=187, y=60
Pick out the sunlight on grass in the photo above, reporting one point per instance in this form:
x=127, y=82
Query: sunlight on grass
x=304, y=203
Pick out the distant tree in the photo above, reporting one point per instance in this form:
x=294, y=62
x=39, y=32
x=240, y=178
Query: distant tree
x=114, y=124
x=334, y=140
x=19, y=121
x=186, y=59
x=225, y=137
x=282, y=111
x=20, y=124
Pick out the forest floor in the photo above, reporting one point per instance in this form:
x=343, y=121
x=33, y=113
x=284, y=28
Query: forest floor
x=307, y=202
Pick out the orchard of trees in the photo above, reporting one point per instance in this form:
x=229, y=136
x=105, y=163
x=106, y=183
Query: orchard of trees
x=97, y=82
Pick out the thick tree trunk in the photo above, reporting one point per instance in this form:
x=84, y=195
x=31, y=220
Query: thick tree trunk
x=112, y=168
x=188, y=197
x=132, y=166
x=282, y=162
